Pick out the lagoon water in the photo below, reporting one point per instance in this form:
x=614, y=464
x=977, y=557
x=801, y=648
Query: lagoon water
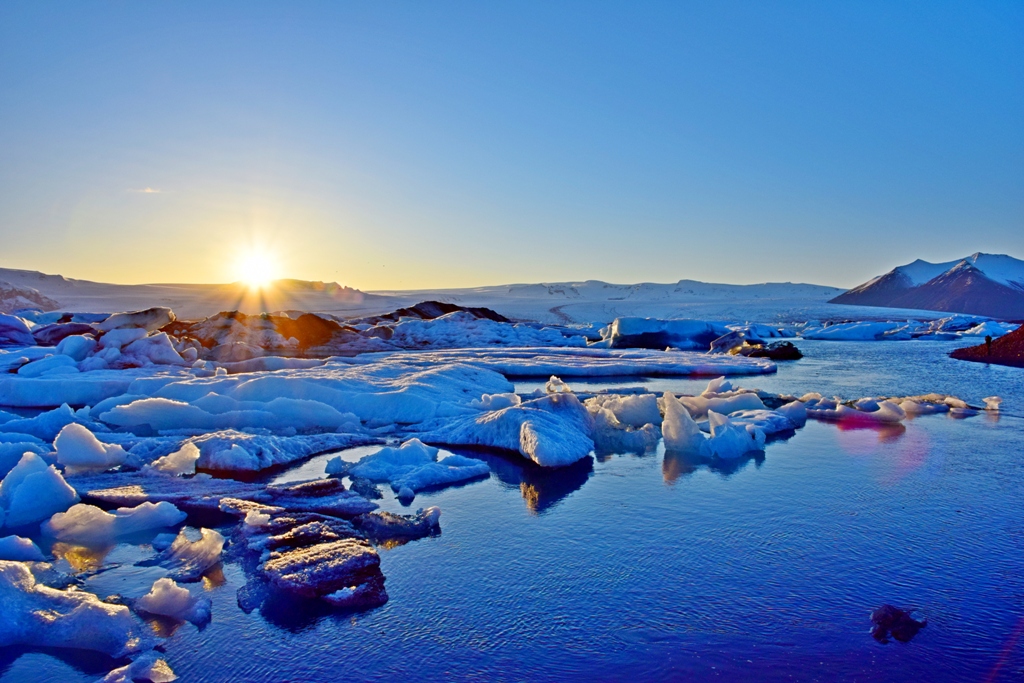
x=651, y=568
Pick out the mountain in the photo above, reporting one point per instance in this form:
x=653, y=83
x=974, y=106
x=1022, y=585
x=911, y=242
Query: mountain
x=583, y=302
x=981, y=284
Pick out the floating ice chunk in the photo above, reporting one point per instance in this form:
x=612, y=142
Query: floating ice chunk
x=681, y=433
x=413, y=466
x=327, y=568
x=386, y=526
x=166, y=598
x=553, y=431
x=990, y=328
x=37, y=616
x=150, y=320
x=635, y=411
x=884, y=412
x=730, y=441
x=56, y=364
x=496, y=401
x=180, y=462
x=156, y=348
x=33, y=491
x=188, y=560
x=700, y=406
x=89, y=525
x=611, y=436
x=18, y=549
x=651, y=333
x=146, y=667
x=719, y=385
x=80, y=451
x=795, y=412
x=77, y=346
x=767, y=421
x=912, y=406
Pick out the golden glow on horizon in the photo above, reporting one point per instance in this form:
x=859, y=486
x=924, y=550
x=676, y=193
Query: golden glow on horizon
x=257, y=268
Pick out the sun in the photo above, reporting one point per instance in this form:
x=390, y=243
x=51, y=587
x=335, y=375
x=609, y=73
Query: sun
x=257, y=268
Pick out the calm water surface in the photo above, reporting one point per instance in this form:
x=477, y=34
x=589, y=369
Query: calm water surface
x=648, y=568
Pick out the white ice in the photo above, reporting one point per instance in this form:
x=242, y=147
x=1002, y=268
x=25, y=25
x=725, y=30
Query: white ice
x=167, y=598
x=32, y=492
x=89, y=525
x=413, y=466
x=18, y=549
x=78, y=450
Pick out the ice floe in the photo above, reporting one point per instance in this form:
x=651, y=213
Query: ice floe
x=89, y=525
x=189, y=559
x=38, y=616
x=166, y=598
x=411, y=467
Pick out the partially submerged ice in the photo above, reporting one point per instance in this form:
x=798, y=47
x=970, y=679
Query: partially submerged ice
x=411, y=467
x=89, y=525
x=38, y=616
x=189, y=559
x=166, y=598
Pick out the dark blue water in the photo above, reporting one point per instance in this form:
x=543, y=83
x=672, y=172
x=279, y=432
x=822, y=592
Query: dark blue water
x=651, y=568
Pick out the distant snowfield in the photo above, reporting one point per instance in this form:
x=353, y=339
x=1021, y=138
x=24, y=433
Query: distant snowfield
x=568, y=302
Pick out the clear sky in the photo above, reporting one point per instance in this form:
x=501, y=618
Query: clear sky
x=389, y=145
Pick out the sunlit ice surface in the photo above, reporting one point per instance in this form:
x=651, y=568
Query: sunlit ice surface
x=653, y=568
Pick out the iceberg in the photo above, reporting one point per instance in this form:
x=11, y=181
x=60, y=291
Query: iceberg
x=78, y=450
x=91, y=526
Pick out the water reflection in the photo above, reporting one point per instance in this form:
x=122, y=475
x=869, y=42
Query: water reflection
x=542, y=487
x=676, y=465
x=81, y=558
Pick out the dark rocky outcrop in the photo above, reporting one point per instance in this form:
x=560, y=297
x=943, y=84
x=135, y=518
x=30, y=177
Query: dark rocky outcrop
x=781, y=350
x=1007, y=350
x=428, y=310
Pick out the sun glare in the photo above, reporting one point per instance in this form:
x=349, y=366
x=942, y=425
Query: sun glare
x=256, y=268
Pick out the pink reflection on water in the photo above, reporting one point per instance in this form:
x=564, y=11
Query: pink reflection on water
x=897, y=451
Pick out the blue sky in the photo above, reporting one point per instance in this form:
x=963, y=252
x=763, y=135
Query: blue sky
x=442, y=144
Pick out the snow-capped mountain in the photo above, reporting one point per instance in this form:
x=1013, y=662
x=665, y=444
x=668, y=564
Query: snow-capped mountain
x=982, y=284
